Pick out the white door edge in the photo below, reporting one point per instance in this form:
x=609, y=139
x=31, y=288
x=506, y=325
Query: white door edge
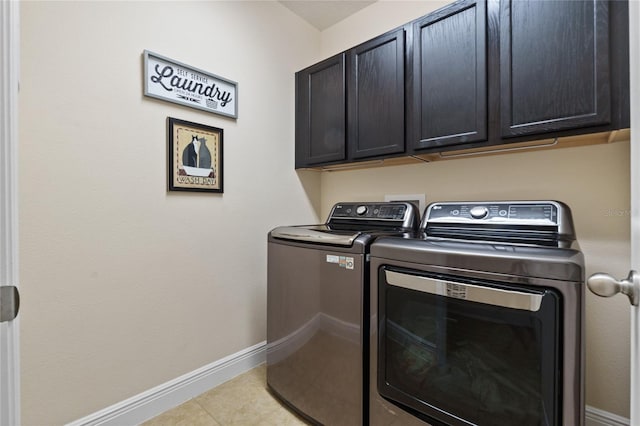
x=634, y=62
x=9, y=77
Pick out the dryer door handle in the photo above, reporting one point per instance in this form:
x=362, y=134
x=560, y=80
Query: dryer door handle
x=604, y=285
x=522, y=300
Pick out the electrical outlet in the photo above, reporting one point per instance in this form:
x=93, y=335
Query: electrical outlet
x=417, y=199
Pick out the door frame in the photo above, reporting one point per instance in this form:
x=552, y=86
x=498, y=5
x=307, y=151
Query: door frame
x=634, y=87
x=9, y=86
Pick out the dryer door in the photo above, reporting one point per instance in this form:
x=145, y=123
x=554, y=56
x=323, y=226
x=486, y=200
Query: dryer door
x=466, y=352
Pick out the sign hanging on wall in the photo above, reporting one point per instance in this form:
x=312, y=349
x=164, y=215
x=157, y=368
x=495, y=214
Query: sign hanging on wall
x=176, y=82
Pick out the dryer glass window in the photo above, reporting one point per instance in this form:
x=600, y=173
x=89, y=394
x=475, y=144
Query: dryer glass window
x=482, y=352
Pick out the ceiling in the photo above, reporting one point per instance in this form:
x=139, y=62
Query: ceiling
x=324, y=13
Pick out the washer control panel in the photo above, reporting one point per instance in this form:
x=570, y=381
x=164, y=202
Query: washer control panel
x=376, y=211
x=391, y=211
x=391, y=215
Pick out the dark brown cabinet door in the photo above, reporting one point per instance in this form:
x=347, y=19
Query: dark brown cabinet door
x=376, y=97
x=320, y=113
x=554, y=66
x=450, y=76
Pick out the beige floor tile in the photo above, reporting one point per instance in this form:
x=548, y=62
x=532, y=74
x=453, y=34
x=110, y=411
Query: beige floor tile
x=282, y=417
x=242, y=401
x=187, y=414
x=258, y=373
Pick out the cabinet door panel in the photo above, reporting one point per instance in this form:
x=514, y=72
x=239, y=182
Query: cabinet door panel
x=376, y=97
x=554, y=65
x=320, y=113
x=450, y=76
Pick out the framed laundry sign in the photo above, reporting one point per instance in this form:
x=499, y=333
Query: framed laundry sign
x=194, y=157
x=182, y=84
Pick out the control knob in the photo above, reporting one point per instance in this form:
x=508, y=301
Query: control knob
x=361, y=210
x=479, y=212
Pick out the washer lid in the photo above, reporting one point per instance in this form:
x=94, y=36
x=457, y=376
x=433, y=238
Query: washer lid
x=318, y=234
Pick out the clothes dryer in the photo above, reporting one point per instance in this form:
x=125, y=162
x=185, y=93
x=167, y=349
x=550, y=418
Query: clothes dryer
x=480, y=320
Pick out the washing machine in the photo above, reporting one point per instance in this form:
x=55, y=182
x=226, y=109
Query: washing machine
x=317, y=309
x=479, y=320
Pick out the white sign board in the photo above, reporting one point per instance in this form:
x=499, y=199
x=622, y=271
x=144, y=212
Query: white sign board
x=173, y=81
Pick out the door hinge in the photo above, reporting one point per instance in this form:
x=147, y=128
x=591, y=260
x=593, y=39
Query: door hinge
x=9, y=303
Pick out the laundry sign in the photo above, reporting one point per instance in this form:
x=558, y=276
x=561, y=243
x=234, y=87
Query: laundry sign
x=176, y=82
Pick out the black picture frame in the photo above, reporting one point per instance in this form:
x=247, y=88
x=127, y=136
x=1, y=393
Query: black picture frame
x=193, y=149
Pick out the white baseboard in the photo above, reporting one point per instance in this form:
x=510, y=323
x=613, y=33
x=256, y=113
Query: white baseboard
x=153, y=402
x=597, y=417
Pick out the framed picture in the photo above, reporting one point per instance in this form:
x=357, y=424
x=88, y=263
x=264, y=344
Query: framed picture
x=194, y=157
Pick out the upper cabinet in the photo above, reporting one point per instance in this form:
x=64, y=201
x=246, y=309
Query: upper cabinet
x=554, y=66
x=449, y=90
x=320, y=113
x=376, y=97
x=352, y=105
x=474, y=73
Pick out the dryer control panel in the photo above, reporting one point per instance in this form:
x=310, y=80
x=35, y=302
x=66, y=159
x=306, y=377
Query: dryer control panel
x=498, y=212
x=491, y=218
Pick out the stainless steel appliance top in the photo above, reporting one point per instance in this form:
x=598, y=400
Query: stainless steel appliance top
x=349, y=221
x=538, y=223
x=389, y=215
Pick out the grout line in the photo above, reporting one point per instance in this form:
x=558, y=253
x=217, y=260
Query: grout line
x=217, y=423
x=252, y=380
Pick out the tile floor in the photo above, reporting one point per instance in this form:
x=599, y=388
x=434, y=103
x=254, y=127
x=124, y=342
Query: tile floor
x=242, y=401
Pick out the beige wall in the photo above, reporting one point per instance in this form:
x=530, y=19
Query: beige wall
x=594, y=181
x=126, y=286
x=372, y=21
